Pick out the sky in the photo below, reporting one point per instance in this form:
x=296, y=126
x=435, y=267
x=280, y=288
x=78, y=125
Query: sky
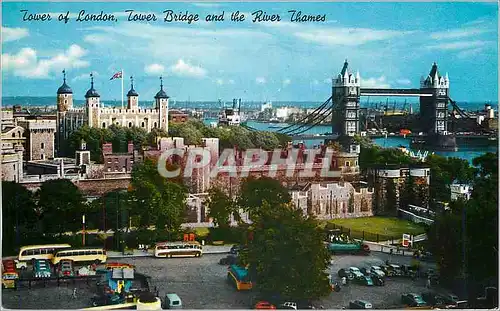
x=391, y=44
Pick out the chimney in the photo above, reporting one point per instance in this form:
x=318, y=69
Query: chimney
x=130, y=147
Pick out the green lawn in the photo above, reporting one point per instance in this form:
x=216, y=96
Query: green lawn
x=201, y=232
x=389, y=226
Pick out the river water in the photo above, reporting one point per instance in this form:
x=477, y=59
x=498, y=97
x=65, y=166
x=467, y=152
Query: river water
x=464, y=152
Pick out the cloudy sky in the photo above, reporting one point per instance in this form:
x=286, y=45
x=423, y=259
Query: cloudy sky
x=391, y=44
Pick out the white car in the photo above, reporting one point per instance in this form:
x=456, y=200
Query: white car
x=353, y=272
x=23, y=265
x=289, y=305
x=377, y=271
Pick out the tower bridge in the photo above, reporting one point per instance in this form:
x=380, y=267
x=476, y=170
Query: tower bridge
x=344, y=108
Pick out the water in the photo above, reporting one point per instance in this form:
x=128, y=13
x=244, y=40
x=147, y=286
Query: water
x=463, y=152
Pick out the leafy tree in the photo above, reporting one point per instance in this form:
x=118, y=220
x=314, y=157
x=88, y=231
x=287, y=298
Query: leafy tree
x=119, y=138
x=110, y=211
x=153, y=135
x=254, y=192
x=94, y=138
x=137, y=135
x=62, y=206
x=18, y=213
x=220, y=207
x=299, y=274
x=265, y=140
x=156, y=200
x=469, y=232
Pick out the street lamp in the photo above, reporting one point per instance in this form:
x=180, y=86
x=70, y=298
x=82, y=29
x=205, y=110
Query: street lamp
x=83, y=230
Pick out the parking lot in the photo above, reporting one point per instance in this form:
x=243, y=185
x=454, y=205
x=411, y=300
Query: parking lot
x=201, y=284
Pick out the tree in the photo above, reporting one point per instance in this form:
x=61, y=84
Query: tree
x=153, y=135
x=265, y=140
x=62, y=206
x=470, y=232
x=18, y=213
x=298, y=274
x=220, y=207
x=254, y=192
x=156, y=200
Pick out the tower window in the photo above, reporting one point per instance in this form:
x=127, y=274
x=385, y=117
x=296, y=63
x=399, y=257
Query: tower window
x=142, y=124
x=154, y=125
x=42, y=156
x=13, y=134
x=65, y=101
x=42, y=145
x=103, y=125
x=130, y=124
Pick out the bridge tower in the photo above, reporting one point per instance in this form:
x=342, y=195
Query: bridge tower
x=434, y=109
x=346, y=93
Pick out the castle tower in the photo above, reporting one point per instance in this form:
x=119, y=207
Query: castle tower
x=434, y=109
x=64, y=102
x=161, y=100
x=92, y=104
x=64, y=96
x=345, y=117
x=132, y=96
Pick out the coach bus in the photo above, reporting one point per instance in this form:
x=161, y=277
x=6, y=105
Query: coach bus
x=96, y=255
x=178, y=249
x=33, y=252
x=239, y=277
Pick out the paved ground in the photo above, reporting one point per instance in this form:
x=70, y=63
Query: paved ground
x=201, y=284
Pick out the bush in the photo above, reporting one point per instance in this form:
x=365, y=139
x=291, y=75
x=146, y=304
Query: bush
x=235, y=235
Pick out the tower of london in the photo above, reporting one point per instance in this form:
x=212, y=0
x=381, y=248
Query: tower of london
x=95, y=115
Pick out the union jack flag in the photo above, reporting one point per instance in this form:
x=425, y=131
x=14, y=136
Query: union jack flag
x=117, y=75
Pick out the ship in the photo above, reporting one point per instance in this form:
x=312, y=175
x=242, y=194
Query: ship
x=231, y=116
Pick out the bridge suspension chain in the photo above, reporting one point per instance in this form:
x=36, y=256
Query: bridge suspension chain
x=315, y=113
x=464, y=115
x=314, y=124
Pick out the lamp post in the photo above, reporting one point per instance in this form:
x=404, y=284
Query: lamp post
x=83, y=230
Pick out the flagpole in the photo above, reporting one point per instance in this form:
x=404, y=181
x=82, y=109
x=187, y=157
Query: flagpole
x=123, y=74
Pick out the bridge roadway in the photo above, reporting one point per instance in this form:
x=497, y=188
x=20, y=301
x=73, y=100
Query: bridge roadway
x=334, y=136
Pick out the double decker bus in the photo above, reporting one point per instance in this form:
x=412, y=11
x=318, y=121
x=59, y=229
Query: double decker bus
x=178, y=249
x=239, y=277
x=33, y=252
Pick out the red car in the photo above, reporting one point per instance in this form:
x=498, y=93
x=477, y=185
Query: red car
x=264, y=305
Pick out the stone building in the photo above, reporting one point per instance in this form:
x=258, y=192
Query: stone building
x=334, y=200
x=13, y=142
x=176, y=116
x=119, y=163
x=94, y=114
x=40, y=137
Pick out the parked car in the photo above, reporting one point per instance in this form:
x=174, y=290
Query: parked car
x=288, y=305
x=392, y=270
x=364, y=280
x=107, y=299
x=41, y=268
x=360, y=304
x=172, y=301
x=23, y=265
x=377, y=281
x=376, y=270
x=228, y=260
x=65, y=269
x=413, y=300
x=433, y=299
x=264, y=305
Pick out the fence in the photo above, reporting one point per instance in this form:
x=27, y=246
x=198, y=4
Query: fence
x=414, y=218
x=368, y=236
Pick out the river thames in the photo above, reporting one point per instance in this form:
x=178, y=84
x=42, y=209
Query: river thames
x=464, y=152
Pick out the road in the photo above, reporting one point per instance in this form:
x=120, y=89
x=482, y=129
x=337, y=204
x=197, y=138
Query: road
x=201, y=284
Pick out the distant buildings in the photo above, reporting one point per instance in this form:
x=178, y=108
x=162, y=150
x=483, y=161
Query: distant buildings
x=460, y=191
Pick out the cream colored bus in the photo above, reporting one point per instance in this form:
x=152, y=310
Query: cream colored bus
x=178, y=249
x=31, y=252
x=95, y=255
